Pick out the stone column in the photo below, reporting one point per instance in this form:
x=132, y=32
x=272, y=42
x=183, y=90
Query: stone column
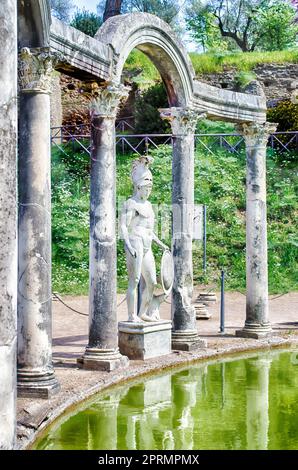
x=183, y=123
x=257, y=403
x=257, y=323
x=102, y=351
x=8, y=222
x=35, y=371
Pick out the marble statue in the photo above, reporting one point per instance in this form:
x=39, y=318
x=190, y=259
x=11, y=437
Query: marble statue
x=137, y=228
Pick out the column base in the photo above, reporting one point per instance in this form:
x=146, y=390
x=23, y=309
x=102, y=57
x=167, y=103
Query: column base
x=35, y=384
x=201, y=311
x=187, y=340
x=255, y=331
x=102, y=359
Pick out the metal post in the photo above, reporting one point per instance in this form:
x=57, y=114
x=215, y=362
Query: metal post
x=222, y=303
x=205, y=238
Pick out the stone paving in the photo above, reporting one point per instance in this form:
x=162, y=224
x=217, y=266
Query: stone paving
x=70, y=336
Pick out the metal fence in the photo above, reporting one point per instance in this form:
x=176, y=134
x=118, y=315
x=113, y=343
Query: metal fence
x=79, y=136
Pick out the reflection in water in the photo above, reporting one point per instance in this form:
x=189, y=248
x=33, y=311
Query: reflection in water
x=240, y=404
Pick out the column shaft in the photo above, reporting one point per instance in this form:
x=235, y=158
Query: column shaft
x=183, y=122
x=102, y=351
x=257, y=314
x=35, y=371
x=8, y=222
x=183, y=313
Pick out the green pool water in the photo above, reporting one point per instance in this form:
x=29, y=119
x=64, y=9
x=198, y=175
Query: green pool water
x=249, y=403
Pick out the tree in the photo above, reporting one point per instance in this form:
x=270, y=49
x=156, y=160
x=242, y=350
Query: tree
x=112, y=8
x=277, y=27
x=247, y=23
x=61, y=9
x=87, y=22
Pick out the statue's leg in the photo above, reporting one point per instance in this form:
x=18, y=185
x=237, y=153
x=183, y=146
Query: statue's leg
x=149, y=274
x=134, y=266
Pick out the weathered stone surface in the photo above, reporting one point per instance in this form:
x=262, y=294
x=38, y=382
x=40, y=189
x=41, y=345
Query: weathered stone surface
x=206, y=298
x=228, y=105
x=183, y=122
x=35, y=372
x=103, y=274
x=201, y=311
x=257, y=313
x=56, y=101
x=83, y=57
x=156, y=39
x=8, y=222
x=145, y=340
x=278, y=80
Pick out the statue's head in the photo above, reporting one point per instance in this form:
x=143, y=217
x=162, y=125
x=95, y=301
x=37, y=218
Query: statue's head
x=142, y=177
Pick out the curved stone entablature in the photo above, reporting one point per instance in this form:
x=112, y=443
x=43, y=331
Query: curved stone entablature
x=84, y=57
x=156, y=39
x=102, y=58
x=229, y=105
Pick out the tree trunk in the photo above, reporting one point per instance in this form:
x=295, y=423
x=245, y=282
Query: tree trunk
x=112, y=8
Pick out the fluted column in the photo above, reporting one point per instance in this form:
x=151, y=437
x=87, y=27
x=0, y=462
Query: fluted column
x=183, y=122
x=35, y=371
x=8, y=222
x=102, y=351
x=257, y=322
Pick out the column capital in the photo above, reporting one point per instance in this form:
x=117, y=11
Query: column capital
x=35, y=69
x=183, y=120
x=106, y=100
x=256, y=133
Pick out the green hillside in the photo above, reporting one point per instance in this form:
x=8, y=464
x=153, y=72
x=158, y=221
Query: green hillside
x=219, y=183
x=207, y=63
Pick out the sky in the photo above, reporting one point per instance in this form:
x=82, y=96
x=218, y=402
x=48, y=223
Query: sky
x=91, y=6
x=88, y=4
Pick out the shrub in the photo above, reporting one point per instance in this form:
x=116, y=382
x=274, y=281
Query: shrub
x=147, y=116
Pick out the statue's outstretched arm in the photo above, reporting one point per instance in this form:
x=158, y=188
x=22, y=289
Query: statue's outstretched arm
x=159, y=242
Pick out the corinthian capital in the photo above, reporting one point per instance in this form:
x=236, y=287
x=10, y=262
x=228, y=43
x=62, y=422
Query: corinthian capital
x=183, y=120
x=35, y=69
x=107, y=100
x=256, y=133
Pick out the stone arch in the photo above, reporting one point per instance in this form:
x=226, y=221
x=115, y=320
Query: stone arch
x=155, y=38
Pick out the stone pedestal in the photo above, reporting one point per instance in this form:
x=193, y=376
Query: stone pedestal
x=35, y=371
x=102, y=351
x=201, y=311
x=207, y=298
x=183, y=122
x=145, y=340
x=257, y=323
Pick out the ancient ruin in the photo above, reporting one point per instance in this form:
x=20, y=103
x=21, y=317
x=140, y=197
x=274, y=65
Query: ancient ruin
x=45, y=44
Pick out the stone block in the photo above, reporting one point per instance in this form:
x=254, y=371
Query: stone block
x=145, y=340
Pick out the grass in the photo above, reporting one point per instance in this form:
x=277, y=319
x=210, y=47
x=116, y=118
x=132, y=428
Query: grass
x=209, y=63
x=219, y=183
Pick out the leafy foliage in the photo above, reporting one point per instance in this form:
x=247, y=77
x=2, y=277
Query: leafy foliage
x=147, y=116
x=286, y=114
x=246, y=24
x=86, y=21
x=167, y=10
x=62, y=9
x=219, y=183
